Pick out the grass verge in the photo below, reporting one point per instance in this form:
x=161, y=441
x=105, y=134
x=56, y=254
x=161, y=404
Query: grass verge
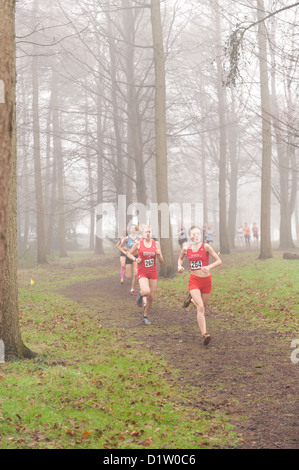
x=88, y=388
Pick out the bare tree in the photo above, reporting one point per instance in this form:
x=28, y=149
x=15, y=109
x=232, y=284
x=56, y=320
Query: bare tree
x=221, y=91
x=265, y=248
x=167, y=268
x=40, y=222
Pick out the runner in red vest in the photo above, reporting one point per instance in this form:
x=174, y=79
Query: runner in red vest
x=200, y=283
x=246, y=231
x=147, y=249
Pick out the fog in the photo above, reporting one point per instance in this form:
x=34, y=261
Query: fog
x=87, y=118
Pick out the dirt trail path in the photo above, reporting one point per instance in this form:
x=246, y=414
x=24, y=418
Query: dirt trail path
x=247, y=374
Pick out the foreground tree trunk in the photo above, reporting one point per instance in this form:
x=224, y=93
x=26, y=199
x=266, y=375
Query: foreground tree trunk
x=9, y=326
x=167, y=268
x=7, y=81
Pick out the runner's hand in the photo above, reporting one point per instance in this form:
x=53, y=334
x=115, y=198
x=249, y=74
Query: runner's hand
x=181, y=269
x=205, y=270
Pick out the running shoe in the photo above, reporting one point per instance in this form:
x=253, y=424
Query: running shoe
x=206, y=339
x=187, y=301
x=146, y=321
x=121, y=281
x=132, y=292
x=139, y=300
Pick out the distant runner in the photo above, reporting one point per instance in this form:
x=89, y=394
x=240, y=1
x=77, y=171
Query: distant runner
x=122, y=259
x=181, y=233
x=125, y=246
x=246, y=231
x=255, y=233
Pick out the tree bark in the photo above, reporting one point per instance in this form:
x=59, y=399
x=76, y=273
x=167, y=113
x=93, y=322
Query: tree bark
x=265, y=245
x=9, y=325
x=58, y=156
x=116, y=122
x=99, y=247
x=167, y=268
x=284, y=163
x=233, y=177
x=223, y=233
x=7, y=99
x=40, y=223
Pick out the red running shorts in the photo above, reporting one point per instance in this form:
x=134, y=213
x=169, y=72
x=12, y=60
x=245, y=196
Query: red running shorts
x=204, y=284
x=148, y=275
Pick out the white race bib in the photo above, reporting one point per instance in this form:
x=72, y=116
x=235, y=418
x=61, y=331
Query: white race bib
x=196, y=264
x=148, y=263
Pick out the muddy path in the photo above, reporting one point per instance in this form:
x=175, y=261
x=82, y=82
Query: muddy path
x=245, y=373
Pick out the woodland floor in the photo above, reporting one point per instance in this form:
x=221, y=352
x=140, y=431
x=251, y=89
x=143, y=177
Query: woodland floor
x=244, y=372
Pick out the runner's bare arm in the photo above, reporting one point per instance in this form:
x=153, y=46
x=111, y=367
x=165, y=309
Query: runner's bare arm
x=133, y=251
x=181, y=259
x=159, y=253
x=122, y=247
x=214, y=255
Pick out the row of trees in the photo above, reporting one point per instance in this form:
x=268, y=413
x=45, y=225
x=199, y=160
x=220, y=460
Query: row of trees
x=116, y=98
x=87, y=111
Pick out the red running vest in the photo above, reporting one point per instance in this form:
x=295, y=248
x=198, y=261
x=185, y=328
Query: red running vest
x=198, y=258
x=148, y=257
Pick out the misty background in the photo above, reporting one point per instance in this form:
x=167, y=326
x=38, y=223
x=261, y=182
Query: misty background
x=86, y=114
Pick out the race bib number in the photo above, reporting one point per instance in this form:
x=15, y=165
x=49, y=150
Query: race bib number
x=196, y=264
x=148, y=263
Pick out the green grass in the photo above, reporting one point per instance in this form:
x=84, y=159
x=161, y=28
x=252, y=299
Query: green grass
x=261, y=291
x=97, y=387
x=90, y=386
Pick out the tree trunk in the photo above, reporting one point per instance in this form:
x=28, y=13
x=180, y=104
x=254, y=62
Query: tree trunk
x=265, y=245
x=57, y=150
x=233, y=179
x=99, y=248
x=223, y=233
x=286, y=240
x=9, y=324
x=90, y=181
x=119, y=174
x=204, y=182
x=52, y=208
x=7, y=99
x=134, y=132
x=167, y=268
x=40, y=228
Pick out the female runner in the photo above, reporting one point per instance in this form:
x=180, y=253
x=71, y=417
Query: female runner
x=200, y=283
x=124, y=247
x=122, y=259
x=147, y=250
